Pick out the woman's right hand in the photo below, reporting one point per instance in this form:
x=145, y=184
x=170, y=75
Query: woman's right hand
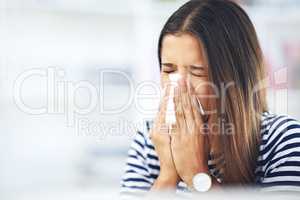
x=168, y=176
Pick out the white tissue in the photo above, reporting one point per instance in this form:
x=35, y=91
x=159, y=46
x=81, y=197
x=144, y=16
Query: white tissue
x=201, y=110
x=170, y=113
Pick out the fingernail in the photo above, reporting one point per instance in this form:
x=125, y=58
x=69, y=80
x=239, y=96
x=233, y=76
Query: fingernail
x=191, y=88
x=183, y=86
x=182, y=82
x=175, y=91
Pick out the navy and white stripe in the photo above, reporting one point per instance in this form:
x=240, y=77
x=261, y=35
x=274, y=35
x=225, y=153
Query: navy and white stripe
x=278, y=163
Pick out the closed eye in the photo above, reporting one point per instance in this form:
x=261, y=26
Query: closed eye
x=197, y=70
x=168, y=67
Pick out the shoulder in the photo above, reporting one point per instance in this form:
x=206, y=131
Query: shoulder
x=142, y=164
x=280, y=139
x=279, y=158
x=277, y=129
x=141, y=141
x=143, y=136
x=142, y=151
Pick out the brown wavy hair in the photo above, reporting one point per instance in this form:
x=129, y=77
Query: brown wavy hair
x=233, y=54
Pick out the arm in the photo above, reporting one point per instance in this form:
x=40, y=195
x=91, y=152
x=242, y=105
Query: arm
x=136, y=179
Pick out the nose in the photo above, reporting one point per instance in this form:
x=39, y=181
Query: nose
x=182, y=71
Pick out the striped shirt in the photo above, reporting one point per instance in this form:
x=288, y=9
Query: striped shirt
x=278, y=162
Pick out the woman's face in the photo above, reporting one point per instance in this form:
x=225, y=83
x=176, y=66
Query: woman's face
x=183, y=54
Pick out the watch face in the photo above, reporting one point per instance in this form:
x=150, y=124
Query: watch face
x=202, y=182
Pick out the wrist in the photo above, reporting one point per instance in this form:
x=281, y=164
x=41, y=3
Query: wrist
x=168, y=179
x=189, y=179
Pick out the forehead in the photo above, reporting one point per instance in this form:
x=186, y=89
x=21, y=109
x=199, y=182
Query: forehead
x=181, y=48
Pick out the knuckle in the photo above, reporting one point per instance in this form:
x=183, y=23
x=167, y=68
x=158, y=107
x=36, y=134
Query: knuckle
x=180, y=114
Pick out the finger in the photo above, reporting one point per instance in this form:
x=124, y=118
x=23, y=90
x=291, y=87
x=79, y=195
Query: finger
x=180, y=123
x=163, y=106
x=187, y=106
x=195, y=107
x=173, y=130
x=160, y=125
x=191, y=89
x=163, y=129
x=197, y=117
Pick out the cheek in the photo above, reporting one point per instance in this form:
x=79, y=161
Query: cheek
x=200, y=85
x=203, y=89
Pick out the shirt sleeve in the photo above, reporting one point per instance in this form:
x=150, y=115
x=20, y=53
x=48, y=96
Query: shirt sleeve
x=283, y=168
x=136, y=179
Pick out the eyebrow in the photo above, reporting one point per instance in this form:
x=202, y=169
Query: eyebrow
x=194, y=66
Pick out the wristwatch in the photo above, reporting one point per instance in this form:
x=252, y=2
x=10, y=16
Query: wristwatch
x=202, y=182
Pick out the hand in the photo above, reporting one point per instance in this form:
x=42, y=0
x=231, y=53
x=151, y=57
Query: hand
x=188, y=141
x=161, y=140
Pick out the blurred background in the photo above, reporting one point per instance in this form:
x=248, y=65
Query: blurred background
x=52, y=149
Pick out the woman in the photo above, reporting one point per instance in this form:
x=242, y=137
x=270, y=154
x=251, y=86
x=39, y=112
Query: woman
x=213, y=45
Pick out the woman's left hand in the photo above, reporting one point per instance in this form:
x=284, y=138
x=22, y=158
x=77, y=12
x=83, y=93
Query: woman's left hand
x=188, y=141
